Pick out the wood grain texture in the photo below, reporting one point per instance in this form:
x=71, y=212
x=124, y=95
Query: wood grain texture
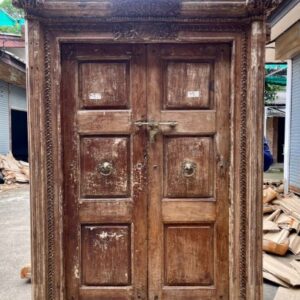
x=95, y=153
x=241, y=110
x=187, y=85
x=180, y=152
x=35, y=39
x=111, y=293
x=189, y=256
x=99, y=226
x=104, y=84
x=167, y=158
x=106, y=255
x=93, y=122
x=134, y=8
x=186, y=210
x=255, y=157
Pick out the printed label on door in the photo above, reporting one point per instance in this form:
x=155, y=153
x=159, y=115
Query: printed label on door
x=193, y=94
x=95, y=96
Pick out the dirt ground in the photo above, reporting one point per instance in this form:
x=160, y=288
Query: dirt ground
x=15, y=241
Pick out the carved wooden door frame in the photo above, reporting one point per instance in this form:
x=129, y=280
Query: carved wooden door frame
x=247, y=39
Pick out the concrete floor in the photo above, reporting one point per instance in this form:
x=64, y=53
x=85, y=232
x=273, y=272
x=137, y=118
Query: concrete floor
x=270, y=290
x=15, y=243
x=275, y=173
x=15, y=246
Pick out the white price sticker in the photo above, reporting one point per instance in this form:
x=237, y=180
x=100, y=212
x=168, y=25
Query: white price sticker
x=95, y=96
x=193, y=94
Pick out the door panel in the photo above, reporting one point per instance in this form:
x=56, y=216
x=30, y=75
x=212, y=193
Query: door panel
x=104, y=84
x=105, y=167
x=145, y=200
x=188, y=259
x=187, y=84
x=188, y=172
x=185, y=160
x=105, y=259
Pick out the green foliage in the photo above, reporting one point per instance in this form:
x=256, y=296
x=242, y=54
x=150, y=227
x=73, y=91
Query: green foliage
x=16, y=13
x=271, y=92
x=11, y=29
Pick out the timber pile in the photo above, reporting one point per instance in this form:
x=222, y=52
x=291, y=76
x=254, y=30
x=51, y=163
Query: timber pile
x=13, y=171
x=26, y=272
x=281, y=240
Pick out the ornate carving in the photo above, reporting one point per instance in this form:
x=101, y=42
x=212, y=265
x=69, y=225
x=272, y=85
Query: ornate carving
x=243, y=171
x=262, y=6
x=156, y=31
x=134, y=8
x=49, y=172
x=25, y=3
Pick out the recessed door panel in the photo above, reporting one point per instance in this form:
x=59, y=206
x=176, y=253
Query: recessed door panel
x=105, y=255
x=105, y=167
x=189, y=259
x=104, y=84
x=189, y=167
x=188, y=84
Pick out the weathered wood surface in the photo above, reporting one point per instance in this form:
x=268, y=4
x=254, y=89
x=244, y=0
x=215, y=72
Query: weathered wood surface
x=148, y=208
x=133, y=8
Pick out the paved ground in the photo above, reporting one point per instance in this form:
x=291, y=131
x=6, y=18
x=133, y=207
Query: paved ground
x=15, y=243
x=275, y=173
x=15, y=246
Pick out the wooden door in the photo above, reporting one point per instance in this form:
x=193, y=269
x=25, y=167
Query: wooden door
x=188, y=172
x=105, y=200
x=146, y=156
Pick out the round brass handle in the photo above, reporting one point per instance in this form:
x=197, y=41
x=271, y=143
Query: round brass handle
x=105, y=168
x=188, y=168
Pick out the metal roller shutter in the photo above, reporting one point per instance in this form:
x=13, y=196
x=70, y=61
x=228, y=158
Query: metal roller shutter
x=295, y=128
x=4, y=118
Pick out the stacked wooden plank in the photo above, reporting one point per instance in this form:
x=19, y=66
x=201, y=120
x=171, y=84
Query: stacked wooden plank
x=26, y=272
x=281, y=239
x=13, y=171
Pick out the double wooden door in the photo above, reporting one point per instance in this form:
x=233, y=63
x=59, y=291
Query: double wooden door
x=146, y=154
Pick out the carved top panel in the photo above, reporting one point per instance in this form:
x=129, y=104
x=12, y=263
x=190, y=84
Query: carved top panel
x=146, y=8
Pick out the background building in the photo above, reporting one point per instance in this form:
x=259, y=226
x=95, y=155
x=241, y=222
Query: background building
x=285, y=46
x=13, y=106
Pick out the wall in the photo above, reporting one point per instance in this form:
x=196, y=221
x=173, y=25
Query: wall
x=11, y=97
x=294, y=168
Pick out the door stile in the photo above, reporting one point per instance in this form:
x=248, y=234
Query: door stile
x=222, y=157
x=139, y=175
x=71, y=226
x=155, y=175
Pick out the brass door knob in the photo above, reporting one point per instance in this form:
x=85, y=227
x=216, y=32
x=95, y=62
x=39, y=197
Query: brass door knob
x=105, y=168
x=188, y=168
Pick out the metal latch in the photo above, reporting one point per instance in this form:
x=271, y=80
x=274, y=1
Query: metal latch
x=154, y=127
